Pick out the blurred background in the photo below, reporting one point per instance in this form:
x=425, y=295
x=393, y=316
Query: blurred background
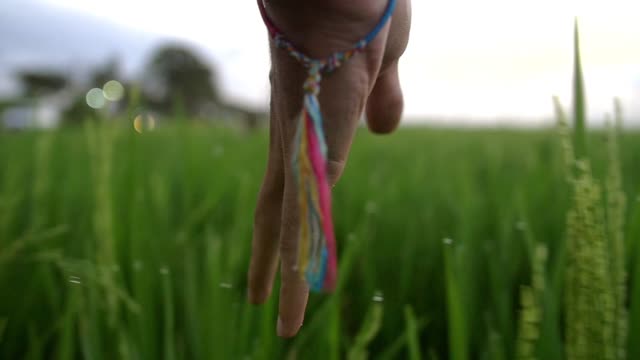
x=495, y=224
x=494, y=63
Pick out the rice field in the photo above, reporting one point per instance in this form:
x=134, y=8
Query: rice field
x=119, y=243
x=116, y=244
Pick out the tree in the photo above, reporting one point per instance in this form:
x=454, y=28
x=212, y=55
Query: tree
x=175, y=75
x=78, y=111
x=41, y=83
x=110, y=70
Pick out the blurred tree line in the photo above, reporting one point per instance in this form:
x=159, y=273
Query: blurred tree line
x=175, y=83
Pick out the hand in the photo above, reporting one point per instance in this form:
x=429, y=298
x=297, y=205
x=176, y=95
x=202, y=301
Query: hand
x=369, y=81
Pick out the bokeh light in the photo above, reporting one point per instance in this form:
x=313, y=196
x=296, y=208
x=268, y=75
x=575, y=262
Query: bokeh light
x=95, y=98
x=144, y=122
x=113, y=90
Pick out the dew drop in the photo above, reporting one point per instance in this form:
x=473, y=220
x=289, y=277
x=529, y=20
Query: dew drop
x=447, y=241
x=225, y=285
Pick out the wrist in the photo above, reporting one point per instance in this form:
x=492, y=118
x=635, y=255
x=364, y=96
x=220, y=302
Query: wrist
x=320, y=27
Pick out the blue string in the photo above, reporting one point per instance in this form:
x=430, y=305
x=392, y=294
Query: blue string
x=383, y=21
x=316, y=281
x=307, y=61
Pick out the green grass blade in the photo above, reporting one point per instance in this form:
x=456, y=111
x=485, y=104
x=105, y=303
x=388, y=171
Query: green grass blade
x=392, y=351
x=167, y=314
x=633, y=340
x=368, y=331
x=413, y=338
x=496, y=346
x=3, y=327
x=455, y=304
x=579, y=105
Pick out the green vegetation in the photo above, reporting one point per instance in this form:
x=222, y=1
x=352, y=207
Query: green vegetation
x=595, y=289
x=124, y=245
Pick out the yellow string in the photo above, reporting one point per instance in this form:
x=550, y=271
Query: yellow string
x=305, y=173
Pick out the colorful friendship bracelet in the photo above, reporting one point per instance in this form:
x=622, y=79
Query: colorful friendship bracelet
x=317, y=261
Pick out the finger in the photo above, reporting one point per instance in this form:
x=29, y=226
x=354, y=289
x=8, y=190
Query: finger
x=342, y=99
x=385, y=103
x=266, y=229
x=287, y=101
x=294, y=291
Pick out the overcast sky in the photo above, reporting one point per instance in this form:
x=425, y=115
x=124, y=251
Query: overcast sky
x=483, y=61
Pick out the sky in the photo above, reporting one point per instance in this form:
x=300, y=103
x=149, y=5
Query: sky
x=486, y=62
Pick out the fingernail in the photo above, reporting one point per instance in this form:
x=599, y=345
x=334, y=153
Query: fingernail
x=286, y=330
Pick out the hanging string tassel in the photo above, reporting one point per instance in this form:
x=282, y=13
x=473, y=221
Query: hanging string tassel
x=317, y=251
x=317, y=262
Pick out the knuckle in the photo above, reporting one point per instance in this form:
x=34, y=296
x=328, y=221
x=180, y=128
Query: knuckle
x=288, y=254
x=288, y=246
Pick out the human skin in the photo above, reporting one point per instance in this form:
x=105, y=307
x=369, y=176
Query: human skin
x=366, y=83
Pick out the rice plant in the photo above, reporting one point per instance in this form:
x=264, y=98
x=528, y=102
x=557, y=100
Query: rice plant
x=595, y=281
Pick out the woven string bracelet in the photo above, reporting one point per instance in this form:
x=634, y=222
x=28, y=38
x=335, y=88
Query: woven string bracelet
x=317, y=262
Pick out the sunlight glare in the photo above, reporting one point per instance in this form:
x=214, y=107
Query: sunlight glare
x=95, y=98
x=113, y=90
